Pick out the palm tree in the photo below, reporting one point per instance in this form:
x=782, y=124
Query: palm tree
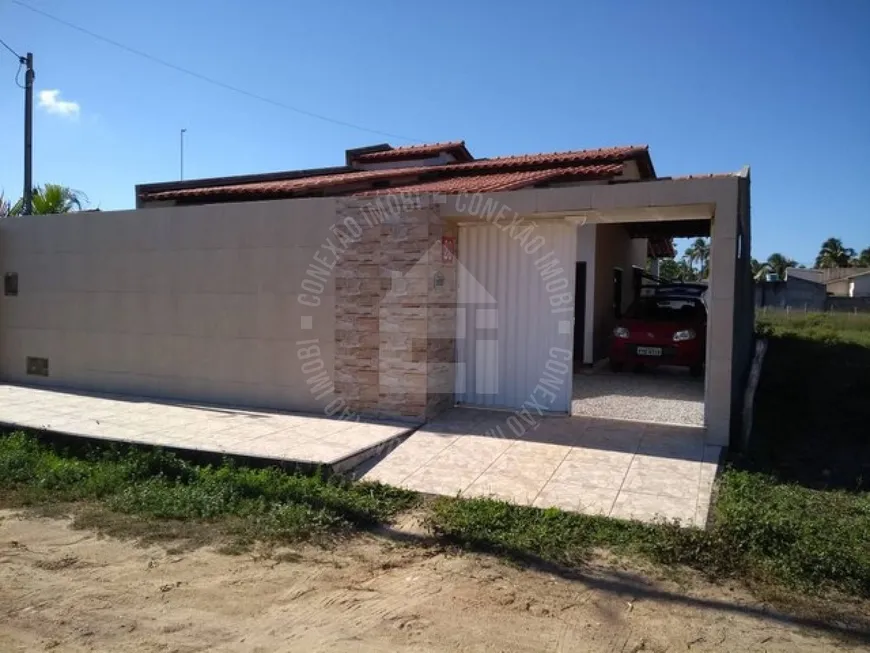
x=699, y=252
x=759, y=269
x=687, y=272
x=52, y=198
x=670, y=270
x=777, y=264
x=4, y=206
x=834, y=255
x=863, y=259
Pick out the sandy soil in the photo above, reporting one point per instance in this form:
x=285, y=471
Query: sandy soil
x=63, y=589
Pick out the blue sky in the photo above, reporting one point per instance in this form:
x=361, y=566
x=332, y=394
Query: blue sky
x=781, y=85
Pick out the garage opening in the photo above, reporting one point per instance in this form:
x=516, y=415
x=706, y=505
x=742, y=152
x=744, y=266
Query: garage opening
x=646, y=335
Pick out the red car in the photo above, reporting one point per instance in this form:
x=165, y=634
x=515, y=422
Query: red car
x=661, y=330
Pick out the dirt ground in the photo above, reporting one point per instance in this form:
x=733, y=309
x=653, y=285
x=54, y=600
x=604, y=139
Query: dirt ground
x=63, y=589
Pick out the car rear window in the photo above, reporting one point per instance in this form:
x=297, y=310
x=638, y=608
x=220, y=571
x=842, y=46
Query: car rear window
x=666, y=309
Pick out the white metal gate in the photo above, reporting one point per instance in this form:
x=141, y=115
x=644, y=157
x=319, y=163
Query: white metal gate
x=515, y=315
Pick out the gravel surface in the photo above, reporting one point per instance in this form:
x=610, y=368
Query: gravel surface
x=663, y=395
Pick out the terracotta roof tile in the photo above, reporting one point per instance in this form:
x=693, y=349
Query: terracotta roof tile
x=293, y=185
x=606, y=160
x=412, y=151
x=458, y=184
x=661, y=248
x=615, y=154
x=498, y=181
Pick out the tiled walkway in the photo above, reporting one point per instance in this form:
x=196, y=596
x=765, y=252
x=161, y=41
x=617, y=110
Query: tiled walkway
x=627, y=470
x=259, y=434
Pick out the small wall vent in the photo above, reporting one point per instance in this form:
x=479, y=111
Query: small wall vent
x=37, y=366
x=10, y=284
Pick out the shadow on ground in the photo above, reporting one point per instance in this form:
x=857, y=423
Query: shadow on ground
x=812, y=415
x=635, y=586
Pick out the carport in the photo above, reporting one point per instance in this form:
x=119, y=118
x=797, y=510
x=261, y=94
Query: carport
x=511, y=352
x=612, y=271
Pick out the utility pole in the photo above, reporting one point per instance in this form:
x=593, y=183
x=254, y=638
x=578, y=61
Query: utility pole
x=28, y=133
x=181, y=152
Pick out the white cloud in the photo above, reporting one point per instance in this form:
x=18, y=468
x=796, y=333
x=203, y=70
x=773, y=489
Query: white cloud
x=51, y=102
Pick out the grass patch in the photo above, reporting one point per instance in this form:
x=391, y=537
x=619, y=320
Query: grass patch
x=523, y=532
x=833, y=328
x=764, y=531
x=157, y=486
x=796, y=535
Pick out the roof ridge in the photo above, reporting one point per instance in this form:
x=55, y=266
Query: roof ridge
x=402, y=148
x=616, y=149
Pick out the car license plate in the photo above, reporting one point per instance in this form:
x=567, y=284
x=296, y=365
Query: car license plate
x=649, y=351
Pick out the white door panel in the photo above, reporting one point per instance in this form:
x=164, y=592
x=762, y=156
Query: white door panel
x=515, y=316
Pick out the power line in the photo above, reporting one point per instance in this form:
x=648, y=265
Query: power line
x=18, y=75
x=211, y=80
x=21, y=61
x=5, y=45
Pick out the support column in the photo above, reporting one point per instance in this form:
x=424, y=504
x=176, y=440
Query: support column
x=720, y=332
x=395, y=314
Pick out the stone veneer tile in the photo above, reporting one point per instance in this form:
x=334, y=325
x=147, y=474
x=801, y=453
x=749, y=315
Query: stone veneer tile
x=393, y=321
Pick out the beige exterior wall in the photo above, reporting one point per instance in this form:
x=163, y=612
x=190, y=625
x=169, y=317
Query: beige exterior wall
x=184, y=302
x=613, y=249
x=858, y=286
x=586, y=252
x=839, y=288
x=639, y=250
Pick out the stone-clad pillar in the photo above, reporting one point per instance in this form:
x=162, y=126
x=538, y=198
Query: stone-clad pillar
x=395, y=314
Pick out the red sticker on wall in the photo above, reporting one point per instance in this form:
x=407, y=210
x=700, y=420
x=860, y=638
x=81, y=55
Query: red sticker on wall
x=448, y=249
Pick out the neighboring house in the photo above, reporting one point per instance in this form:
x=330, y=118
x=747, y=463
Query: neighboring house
x=802, y=289
x=839, y=282
x=805, y=274
x=794, y=293
x=815, y=289
x=322, y=290
x=855, y=282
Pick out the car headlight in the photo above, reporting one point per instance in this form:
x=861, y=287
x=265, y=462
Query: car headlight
x=685, y=334
x=621, y=332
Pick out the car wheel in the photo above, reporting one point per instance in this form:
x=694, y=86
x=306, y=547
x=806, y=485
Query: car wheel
x=616, y=366
x=696, y=370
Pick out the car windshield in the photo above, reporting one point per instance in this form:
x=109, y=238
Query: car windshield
x=666, y=309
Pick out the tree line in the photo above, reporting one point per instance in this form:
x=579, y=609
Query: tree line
x=694, y=265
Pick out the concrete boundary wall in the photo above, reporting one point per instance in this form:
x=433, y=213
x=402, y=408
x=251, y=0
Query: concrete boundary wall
x=196, y=303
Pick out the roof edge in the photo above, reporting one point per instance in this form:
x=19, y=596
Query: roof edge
x=352, y=153
x=160, y=186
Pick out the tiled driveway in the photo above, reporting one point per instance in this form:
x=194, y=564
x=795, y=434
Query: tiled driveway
x=628, y=470
x=271, y=435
